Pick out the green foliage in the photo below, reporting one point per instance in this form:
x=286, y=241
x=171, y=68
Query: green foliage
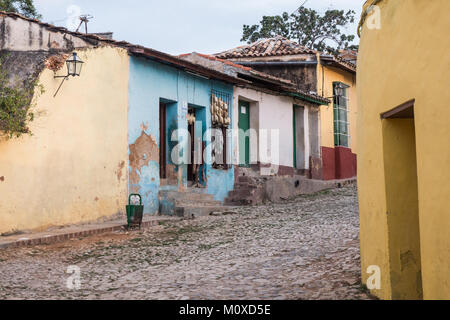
x=307, y=27
x=24, y=7
x=16, y=104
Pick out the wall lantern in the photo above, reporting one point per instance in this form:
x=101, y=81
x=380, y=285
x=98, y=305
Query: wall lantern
x=74, y=66
x=339, y=90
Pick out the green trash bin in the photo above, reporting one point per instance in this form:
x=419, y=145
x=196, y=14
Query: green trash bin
x=135, y=212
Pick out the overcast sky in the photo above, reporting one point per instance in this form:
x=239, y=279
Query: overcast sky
x=179, y=26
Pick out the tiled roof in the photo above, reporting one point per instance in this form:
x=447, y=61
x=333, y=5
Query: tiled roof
x=166, y=58
x=132, y=49
x=338, y=62
x=212, y=58
x=235, y=65
x=282, y=84
x=277, y=46
x=348, y=55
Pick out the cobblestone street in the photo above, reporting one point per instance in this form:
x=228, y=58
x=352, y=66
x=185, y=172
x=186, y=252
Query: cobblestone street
x=305, y=248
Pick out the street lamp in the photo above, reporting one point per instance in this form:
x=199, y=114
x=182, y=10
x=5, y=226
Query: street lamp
x=74, y=66
x=339, y=90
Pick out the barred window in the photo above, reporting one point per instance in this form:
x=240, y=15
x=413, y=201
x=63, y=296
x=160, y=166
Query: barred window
x=341, y=124
x=221, y=120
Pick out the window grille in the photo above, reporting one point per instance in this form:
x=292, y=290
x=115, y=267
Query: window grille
x=221, y=120
x=341, y=116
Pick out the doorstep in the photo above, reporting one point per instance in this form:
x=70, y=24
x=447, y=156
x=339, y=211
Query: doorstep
x=56, y=235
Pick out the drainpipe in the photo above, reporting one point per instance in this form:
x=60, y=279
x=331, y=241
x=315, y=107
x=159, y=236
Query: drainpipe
x=323, y=81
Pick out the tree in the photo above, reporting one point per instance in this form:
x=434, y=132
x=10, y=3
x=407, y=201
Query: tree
x=17, y=101
x=308, y=27
x=24, y=7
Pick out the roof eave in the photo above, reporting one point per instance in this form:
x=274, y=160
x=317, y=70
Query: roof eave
x=184, y=65
x=331, y=61
x=138, y=51
x=321, y=102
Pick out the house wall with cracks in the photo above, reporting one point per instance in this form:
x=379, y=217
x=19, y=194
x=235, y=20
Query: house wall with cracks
x=152, y=83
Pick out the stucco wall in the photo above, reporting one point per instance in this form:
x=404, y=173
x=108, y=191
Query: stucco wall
x=325, y=78
x=303, y=76
x=406, y=59
x=150, y=83
x=73, y=168
x=22, y=35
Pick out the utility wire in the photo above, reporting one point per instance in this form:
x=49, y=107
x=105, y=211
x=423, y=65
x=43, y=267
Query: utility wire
x=300, y=7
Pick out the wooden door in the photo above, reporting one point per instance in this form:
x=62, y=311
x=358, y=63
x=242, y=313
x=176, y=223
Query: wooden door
x=244, y=138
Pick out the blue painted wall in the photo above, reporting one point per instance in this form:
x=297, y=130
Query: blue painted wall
x=150, y=83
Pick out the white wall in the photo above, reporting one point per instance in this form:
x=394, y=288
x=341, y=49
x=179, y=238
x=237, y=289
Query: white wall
x=268, y=112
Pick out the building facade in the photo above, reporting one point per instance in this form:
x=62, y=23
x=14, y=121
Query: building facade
x=317, y=74
x=277, y=136
x=141, y=121
x=336, y=78
x=97, y=137
x=161, y=98
x=403, y=133
x=74, y=166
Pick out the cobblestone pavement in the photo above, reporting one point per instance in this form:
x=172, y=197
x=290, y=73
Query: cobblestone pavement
x=305, y=248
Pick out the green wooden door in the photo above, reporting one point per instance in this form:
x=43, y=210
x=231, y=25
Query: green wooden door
x=244, y=138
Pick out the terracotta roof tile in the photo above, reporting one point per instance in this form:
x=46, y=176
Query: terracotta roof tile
x=132, y=49
x=277, y=46
x=283, y=83
x=339, y=62
x=137, y=49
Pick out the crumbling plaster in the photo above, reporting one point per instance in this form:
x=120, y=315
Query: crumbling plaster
x=21, y=35
x=150, y=84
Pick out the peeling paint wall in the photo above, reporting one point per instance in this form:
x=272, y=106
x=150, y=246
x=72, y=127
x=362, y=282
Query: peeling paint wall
x=150, y=84
x=304, y=76
x=73, y=169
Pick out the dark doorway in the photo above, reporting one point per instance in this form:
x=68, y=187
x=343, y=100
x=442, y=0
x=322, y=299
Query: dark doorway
x=195, y=168
x=162, y=141
x=191, y=129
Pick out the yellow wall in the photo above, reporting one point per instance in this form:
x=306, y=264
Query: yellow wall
x=402, y=207
x=407, y=58
x=326, y=76
x=74, y=168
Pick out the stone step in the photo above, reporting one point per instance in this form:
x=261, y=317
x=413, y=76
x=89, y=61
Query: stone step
x=198, y=202
x=197, y=190
x=245, y=185
x=244, y=179
x=175, y=195
x=237, y=202
x=197, y=211
x=240, y=193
